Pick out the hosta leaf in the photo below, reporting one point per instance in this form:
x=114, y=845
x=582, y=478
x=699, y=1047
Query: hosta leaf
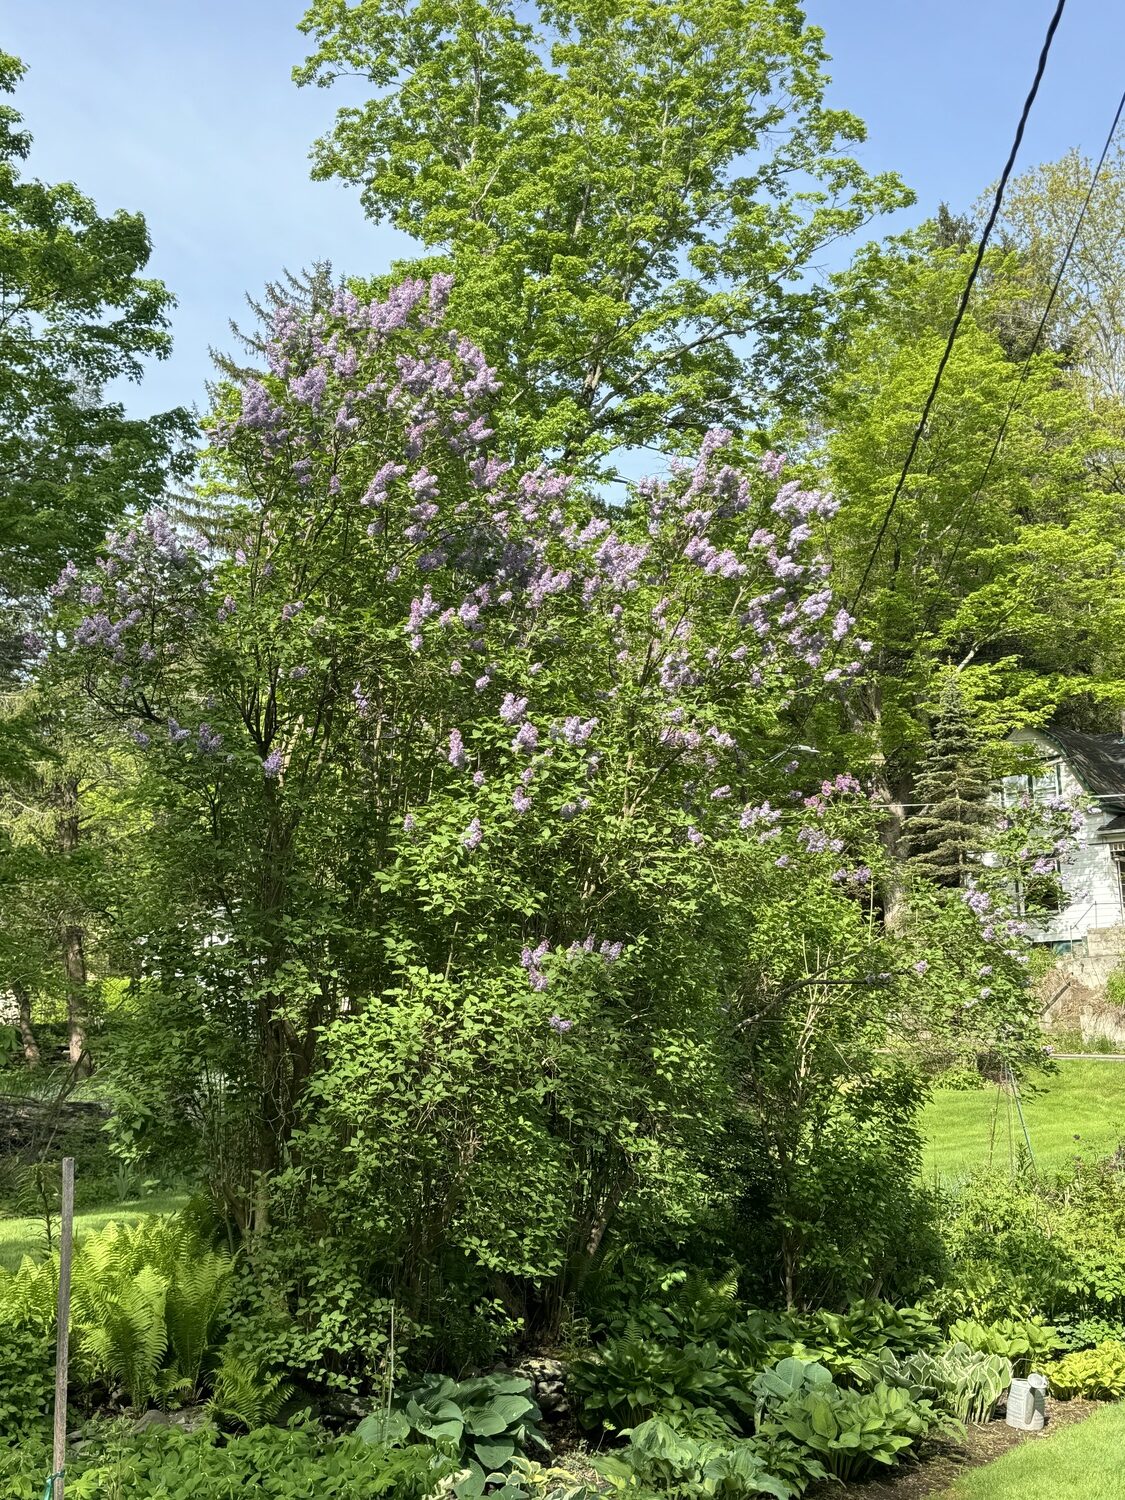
x=439, y=1432
x=384, y=1427
x=511, y=1408
x=495, y=1455
x=472, y=1485
x=486, y=1423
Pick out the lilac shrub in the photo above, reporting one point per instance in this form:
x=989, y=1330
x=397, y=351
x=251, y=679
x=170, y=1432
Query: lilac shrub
x=443, y=728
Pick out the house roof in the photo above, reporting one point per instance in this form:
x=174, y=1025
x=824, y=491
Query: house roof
x=1098, y=760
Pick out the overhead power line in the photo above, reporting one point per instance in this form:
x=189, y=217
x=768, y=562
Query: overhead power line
x=952, y=555
x=919, y=431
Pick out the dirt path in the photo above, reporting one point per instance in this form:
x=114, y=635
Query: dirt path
x=941, y=1463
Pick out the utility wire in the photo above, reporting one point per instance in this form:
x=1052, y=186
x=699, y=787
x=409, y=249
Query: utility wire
x=919, y=431
x=952, y=556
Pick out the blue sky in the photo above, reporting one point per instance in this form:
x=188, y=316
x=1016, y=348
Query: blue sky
x=185, y=111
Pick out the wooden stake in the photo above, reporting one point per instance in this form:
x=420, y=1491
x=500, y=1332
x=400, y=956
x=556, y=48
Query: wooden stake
x=62, y=1341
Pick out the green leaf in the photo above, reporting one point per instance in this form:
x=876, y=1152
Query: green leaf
x=495, y=1455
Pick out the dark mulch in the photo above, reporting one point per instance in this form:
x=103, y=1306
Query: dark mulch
x=940, y=1463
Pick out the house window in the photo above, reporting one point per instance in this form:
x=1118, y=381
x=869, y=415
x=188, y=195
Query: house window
x=1119, y=861
x=1046, y=783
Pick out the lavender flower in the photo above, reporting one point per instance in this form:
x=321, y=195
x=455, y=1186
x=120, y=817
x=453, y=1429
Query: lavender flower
x=209, y=741
x=556, y=1023
x=472, y=836
x=309, y=388
x=526, y=738
x=457, y=756
x=272, y=765
x=512, y=709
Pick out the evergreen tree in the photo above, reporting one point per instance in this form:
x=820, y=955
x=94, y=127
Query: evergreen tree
x=952, y=790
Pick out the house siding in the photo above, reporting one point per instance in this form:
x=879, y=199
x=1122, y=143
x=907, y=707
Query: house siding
x=1089, y=875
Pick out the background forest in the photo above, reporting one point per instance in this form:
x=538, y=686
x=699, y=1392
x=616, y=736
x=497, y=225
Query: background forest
x=511, y=911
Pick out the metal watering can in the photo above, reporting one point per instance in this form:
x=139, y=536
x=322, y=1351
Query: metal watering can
x=1027, y=1404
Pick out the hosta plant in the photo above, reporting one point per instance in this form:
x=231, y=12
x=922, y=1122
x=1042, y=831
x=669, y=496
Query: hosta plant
x=790, y=1377
x=487, y=1422
x=1095, y=1373
x=630, y=1380
x=1025, y=1341
x=964, y=1382
x=854, y=1433
x=660, y=1460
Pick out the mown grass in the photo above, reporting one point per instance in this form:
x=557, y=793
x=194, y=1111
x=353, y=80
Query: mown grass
x=1086, y=1461
x=28, y=1236
x=1078, y=1111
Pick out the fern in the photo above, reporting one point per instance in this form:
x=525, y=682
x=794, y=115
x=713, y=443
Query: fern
x=196, y=1300
x=129, y=1343
x=143, y=1293
x=244, y=1394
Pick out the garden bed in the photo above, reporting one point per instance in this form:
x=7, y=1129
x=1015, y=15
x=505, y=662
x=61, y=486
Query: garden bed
x=943, y=1462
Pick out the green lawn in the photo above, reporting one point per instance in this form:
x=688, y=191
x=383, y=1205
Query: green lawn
x=20, y=1237
x=1083, y=1099
x=1086, y=1462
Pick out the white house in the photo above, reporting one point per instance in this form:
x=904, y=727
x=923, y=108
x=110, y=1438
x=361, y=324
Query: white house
x=1090, y=770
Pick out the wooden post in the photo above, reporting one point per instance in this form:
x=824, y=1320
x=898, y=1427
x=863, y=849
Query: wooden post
x=62, y=1342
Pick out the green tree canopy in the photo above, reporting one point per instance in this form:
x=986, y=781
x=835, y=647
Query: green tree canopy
x=630, y=196
x=1000, y=564
x=76, y=315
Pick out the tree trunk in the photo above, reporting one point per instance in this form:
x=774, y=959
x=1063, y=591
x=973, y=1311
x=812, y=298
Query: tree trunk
x=71, y=935
x=27, y=1035
x=74, y=963
x=892, y=800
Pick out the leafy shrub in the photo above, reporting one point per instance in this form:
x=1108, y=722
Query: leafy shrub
x=1050, y=1250
x=303, y=1463
x=308, y=1310
x=1023, y=1341
x=849, y=1216
x=487, y=1421
x=27, y=1338
x=660, y=1460
x=630, y=1380
x=853, y=1433
x=1086, y=1333
x=1096, y=1373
